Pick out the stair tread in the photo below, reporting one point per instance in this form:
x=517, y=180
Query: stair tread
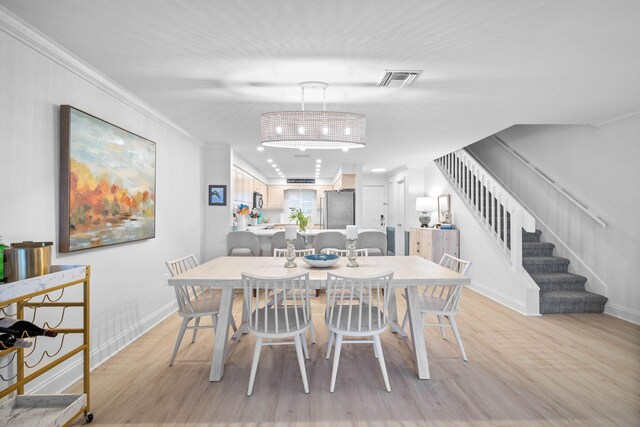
x=538, y=245
x=571, y=295
x=557, y=278
x=544, y=260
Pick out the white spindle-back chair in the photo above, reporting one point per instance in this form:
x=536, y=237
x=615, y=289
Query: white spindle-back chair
x=443, y=301
x=273, y=316
x=357, y=307
x=345, y=252
x=194, y=302
x=299, y=252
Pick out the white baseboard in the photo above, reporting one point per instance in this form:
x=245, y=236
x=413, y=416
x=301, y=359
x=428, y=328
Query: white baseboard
x=65, y=378
x=499, y=297
x=624, y=313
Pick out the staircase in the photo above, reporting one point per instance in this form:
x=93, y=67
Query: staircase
x=560, y=291
x=513, y=228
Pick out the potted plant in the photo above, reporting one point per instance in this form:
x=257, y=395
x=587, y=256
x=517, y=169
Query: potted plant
x=298, y=216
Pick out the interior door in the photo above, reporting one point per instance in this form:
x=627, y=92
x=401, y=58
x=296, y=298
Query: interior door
x=374, y=212
x=400, y=215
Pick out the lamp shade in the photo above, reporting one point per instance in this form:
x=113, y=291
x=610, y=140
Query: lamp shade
x=426, y=204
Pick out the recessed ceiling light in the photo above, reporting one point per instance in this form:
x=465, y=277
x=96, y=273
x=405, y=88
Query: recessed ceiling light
x=260, y=148
x=345, y=149
x=378, y=170
x=303, y=149
x=273, y=165
x=278, y=170
x=318, y=160
x=269, y=160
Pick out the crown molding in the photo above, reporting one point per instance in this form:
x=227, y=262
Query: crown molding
x=618, y=120
x=23, y=32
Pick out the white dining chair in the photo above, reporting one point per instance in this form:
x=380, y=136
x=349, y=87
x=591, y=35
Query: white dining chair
x=289, y=318
x=345, y=252
x=346, y=315
x=443, y=301
x=194, y=302
x=299, y=252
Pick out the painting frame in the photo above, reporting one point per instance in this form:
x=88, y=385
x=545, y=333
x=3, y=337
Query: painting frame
x=211, y=195
x=132, y=213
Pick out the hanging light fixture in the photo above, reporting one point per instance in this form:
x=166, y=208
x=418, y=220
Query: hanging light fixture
x=316, y=130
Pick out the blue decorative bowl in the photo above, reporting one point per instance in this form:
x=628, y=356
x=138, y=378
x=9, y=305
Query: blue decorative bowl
x=321, y=260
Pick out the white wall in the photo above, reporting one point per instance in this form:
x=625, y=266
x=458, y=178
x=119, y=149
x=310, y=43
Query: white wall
x=597, y=166
x=128, y=281
x=490, y=271
x=217, y=167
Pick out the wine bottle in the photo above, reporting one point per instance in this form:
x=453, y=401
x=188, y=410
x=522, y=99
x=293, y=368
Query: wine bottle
x=23, y=329
x=9, y=341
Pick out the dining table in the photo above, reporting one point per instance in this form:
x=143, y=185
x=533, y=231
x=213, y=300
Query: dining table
x=409, y=273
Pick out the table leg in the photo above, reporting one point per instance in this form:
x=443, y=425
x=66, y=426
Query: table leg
x=393, y=314
x=417, y=333
x=222, y=334
x=243, y=328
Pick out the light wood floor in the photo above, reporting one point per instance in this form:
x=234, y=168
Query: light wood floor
x=551, y=370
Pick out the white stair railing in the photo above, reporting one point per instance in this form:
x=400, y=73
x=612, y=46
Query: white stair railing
x=499, y=212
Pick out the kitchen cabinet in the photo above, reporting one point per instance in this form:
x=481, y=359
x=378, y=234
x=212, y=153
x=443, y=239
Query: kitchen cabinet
x=275, y=199
x=433, y=243
x=244, y=185
x=345, y=181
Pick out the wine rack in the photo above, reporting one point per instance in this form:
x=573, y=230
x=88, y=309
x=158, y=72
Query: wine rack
x=28, y=296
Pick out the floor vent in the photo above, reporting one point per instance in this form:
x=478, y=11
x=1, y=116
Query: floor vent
x=398, y=78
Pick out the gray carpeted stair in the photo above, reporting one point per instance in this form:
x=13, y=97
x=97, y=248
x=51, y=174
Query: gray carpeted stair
x=560, y=291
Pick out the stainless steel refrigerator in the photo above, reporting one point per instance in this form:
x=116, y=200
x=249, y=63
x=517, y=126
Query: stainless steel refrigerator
x=339, y=209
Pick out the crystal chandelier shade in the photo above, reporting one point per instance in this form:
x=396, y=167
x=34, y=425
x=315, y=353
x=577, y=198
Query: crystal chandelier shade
x=314, y=130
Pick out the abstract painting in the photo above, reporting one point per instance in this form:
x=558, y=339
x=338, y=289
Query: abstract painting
x=217, y=195
x=107, y=183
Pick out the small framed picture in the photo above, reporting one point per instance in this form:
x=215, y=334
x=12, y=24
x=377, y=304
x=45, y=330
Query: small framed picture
x=217, y=195
x=444, y=209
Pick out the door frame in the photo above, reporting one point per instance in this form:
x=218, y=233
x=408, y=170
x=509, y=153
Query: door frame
x=399, y=232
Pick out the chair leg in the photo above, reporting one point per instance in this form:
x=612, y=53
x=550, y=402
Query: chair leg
x=383, y=366
x=336, y=360
x=183, y=328
x=312, y=333
x=195, y=330
x=441, y=323
x=454, y=326
x=298, y=341
x=331, y=337
x=254, y=364
x=375, y=350
x=304, y=347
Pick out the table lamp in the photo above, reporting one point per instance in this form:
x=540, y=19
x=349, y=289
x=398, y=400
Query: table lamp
x=425, y=205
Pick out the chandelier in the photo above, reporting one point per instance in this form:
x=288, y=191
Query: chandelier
x=315, y=130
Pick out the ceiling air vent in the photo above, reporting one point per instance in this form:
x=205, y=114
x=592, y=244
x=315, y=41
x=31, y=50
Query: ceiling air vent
x=398, y=78
x=302, y=156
